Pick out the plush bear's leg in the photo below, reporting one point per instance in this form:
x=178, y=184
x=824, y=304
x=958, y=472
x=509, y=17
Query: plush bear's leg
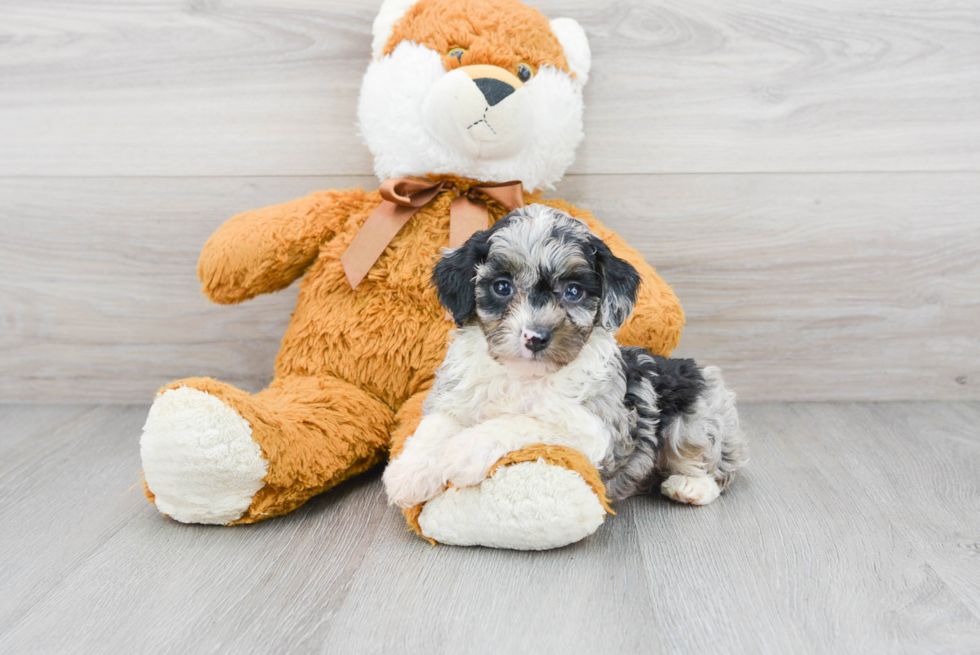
x=537, y=498
x=215, y=454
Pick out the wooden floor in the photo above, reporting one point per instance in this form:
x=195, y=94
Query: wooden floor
x=855, y=529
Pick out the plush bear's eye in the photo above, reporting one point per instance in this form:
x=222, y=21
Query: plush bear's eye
x=524, y=72
x=457, y=53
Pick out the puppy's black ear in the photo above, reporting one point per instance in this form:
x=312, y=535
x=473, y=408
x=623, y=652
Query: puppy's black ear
x=620, y=282
x=455, y=276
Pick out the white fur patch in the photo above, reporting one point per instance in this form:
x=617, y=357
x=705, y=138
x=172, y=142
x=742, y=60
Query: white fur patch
x=391, y=12
x=457, y=114
x=526, y=506
x=199, y=458
x=693, y=490
x=475, y=389
x=576, y=46
x=391, y=118
x=416, y=475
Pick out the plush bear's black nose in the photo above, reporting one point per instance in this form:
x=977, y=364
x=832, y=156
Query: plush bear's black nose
x=493, y=90
x=537, y=340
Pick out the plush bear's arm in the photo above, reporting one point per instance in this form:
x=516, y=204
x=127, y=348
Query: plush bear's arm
x=268, y=249
x=657, y=319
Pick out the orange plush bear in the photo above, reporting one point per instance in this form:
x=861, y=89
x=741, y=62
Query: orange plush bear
x=470, y=108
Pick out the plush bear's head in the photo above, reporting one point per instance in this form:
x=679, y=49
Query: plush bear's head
x=485, y=89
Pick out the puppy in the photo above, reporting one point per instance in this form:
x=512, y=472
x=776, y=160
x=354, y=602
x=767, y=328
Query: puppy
x=537, y=300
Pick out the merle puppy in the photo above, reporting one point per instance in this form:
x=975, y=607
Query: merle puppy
x=537, y=300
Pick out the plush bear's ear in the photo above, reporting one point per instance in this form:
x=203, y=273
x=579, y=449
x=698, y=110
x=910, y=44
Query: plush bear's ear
x=455, y=276
x=576, y=46
x=384, y=23
x=620, y=282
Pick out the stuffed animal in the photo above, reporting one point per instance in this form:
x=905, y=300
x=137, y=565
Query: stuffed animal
x=471, y=109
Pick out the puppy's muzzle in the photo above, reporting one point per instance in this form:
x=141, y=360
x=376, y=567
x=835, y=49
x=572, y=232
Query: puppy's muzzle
x=537, y=339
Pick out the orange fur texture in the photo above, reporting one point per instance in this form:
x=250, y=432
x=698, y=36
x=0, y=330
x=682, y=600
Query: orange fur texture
x=355, y=365
x=501, y=33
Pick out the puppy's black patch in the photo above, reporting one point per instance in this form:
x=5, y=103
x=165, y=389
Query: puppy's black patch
x=455, y=273
x=620, y=283
x=640, y=370
x=489, y=302
x=658, y=391
x=677, y=383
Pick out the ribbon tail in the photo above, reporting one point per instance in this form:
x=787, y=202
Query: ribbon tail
x=372, y=239
x=466, y=217
x=510, y=196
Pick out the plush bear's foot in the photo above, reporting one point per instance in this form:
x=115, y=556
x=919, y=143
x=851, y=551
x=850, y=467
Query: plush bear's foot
x=216, y=454
x=537, y=500
x=199, y=458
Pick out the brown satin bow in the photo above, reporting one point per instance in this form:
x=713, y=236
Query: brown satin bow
x=403, y=197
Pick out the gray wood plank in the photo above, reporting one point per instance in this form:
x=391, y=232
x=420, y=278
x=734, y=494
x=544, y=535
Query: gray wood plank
x=159, y=586
x=798, y=557
x=63, y=494
x=815, y=287
x=801, y=556
x=81, y=543
x=921, y=467
x=257, y=87
x=27, y=424
x=108, y=274
x=590, y=597
x=802, y=287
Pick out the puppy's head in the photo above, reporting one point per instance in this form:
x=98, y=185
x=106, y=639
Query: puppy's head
x=537, y=283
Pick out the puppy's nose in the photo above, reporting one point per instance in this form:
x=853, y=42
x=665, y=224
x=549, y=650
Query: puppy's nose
x=537, y=339
x=493, y=90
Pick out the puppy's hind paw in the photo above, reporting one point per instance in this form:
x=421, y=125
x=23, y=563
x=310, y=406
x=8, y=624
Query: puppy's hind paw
x=699, y=490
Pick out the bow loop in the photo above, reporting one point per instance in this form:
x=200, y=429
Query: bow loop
x=510, y=196
x=469, y=214
x=403, y=197
x=406, y=192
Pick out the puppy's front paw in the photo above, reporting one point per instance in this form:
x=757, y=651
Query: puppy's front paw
x=466, y=461
x=692, y=490
x=412, y=480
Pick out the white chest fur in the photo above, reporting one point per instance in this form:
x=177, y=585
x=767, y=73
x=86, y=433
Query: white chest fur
x=582, y=401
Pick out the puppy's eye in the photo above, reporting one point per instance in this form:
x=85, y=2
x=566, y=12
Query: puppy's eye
x=524, y=72
x=573, y=293
x=503, y=288
x=457, y=53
